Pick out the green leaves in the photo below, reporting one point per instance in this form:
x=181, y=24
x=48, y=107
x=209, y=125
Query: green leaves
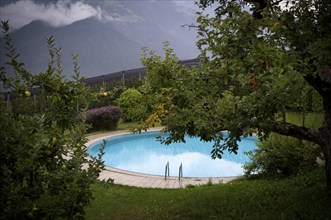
x=280, y=155
x=252, y=71
x=42, y=153
x=131, y=101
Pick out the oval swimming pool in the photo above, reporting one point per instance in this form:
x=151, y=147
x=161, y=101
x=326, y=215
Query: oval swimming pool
x=144, y=154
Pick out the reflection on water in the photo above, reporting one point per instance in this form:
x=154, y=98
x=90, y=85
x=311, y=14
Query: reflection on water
x=142, y=153
x=194, y=165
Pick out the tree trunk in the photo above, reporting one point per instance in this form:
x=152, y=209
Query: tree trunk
x=327, y=155
x=322, y=136
x=325, y=137
x=322, y=84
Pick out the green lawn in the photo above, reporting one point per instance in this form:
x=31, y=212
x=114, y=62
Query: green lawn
x=300, y=197
x=126, y=125
x=120, y=126
x=312, y=120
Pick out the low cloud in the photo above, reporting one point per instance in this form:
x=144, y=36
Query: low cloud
x=60, y=13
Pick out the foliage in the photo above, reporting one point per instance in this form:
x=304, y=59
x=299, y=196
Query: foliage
x=106, y=94
x=131, y=101
x=255, y=66
x=220, y=96
x=45, y=172
x=298, y=197
x=281, y=155
x=104, y=118
x=114, y=89
x=162, y=76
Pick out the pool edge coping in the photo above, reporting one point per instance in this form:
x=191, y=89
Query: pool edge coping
x=130, y=178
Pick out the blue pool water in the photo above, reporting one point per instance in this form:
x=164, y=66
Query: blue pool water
x=143, y=153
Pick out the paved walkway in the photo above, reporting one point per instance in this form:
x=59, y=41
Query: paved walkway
x=145, y=180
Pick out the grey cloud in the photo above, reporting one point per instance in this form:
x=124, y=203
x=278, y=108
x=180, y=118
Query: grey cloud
x=60, y=13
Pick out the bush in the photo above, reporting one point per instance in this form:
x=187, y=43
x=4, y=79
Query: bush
x=131, y=101
x=104, y=118
x=44, y=169
x=281, y=155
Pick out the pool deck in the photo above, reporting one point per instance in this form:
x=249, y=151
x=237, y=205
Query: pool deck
x=124, y=177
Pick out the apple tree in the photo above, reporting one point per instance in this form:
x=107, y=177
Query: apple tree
x=259, y=59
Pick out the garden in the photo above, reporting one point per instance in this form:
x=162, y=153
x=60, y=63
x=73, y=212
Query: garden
x=263, y=72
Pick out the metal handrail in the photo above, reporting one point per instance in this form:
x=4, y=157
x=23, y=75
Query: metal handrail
x=180, y=171
x=166, y=171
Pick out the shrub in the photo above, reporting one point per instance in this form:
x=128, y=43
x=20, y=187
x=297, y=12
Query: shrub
x=44, y=169
x=131, y=101
x=104, y=118
x=281, y=155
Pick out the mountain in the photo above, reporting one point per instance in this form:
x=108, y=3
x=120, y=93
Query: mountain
x=112, y=42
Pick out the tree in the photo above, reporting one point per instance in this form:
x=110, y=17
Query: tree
x=44, y=169
x=260, y=58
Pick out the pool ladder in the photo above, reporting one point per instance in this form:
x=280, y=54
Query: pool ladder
x=167, y=172
x=180, y=171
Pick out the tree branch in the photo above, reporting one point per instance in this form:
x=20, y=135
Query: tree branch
x=260, y=5
x=321, y=82
x=189, y=26
x=288, y=129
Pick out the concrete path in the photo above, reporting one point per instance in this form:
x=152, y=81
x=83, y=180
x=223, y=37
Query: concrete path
x=145, y=180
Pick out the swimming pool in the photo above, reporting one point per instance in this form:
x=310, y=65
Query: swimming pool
x=144, y=154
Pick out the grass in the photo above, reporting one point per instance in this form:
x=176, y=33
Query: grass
x=121, y=126
x=126, y=125
x=300, y=197
x=129, y=125
x=311, y=120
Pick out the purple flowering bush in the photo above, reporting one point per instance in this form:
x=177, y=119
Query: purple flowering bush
x=104, y=118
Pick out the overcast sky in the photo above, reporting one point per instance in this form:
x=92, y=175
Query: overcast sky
x=62, y=12
x=56, y=13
